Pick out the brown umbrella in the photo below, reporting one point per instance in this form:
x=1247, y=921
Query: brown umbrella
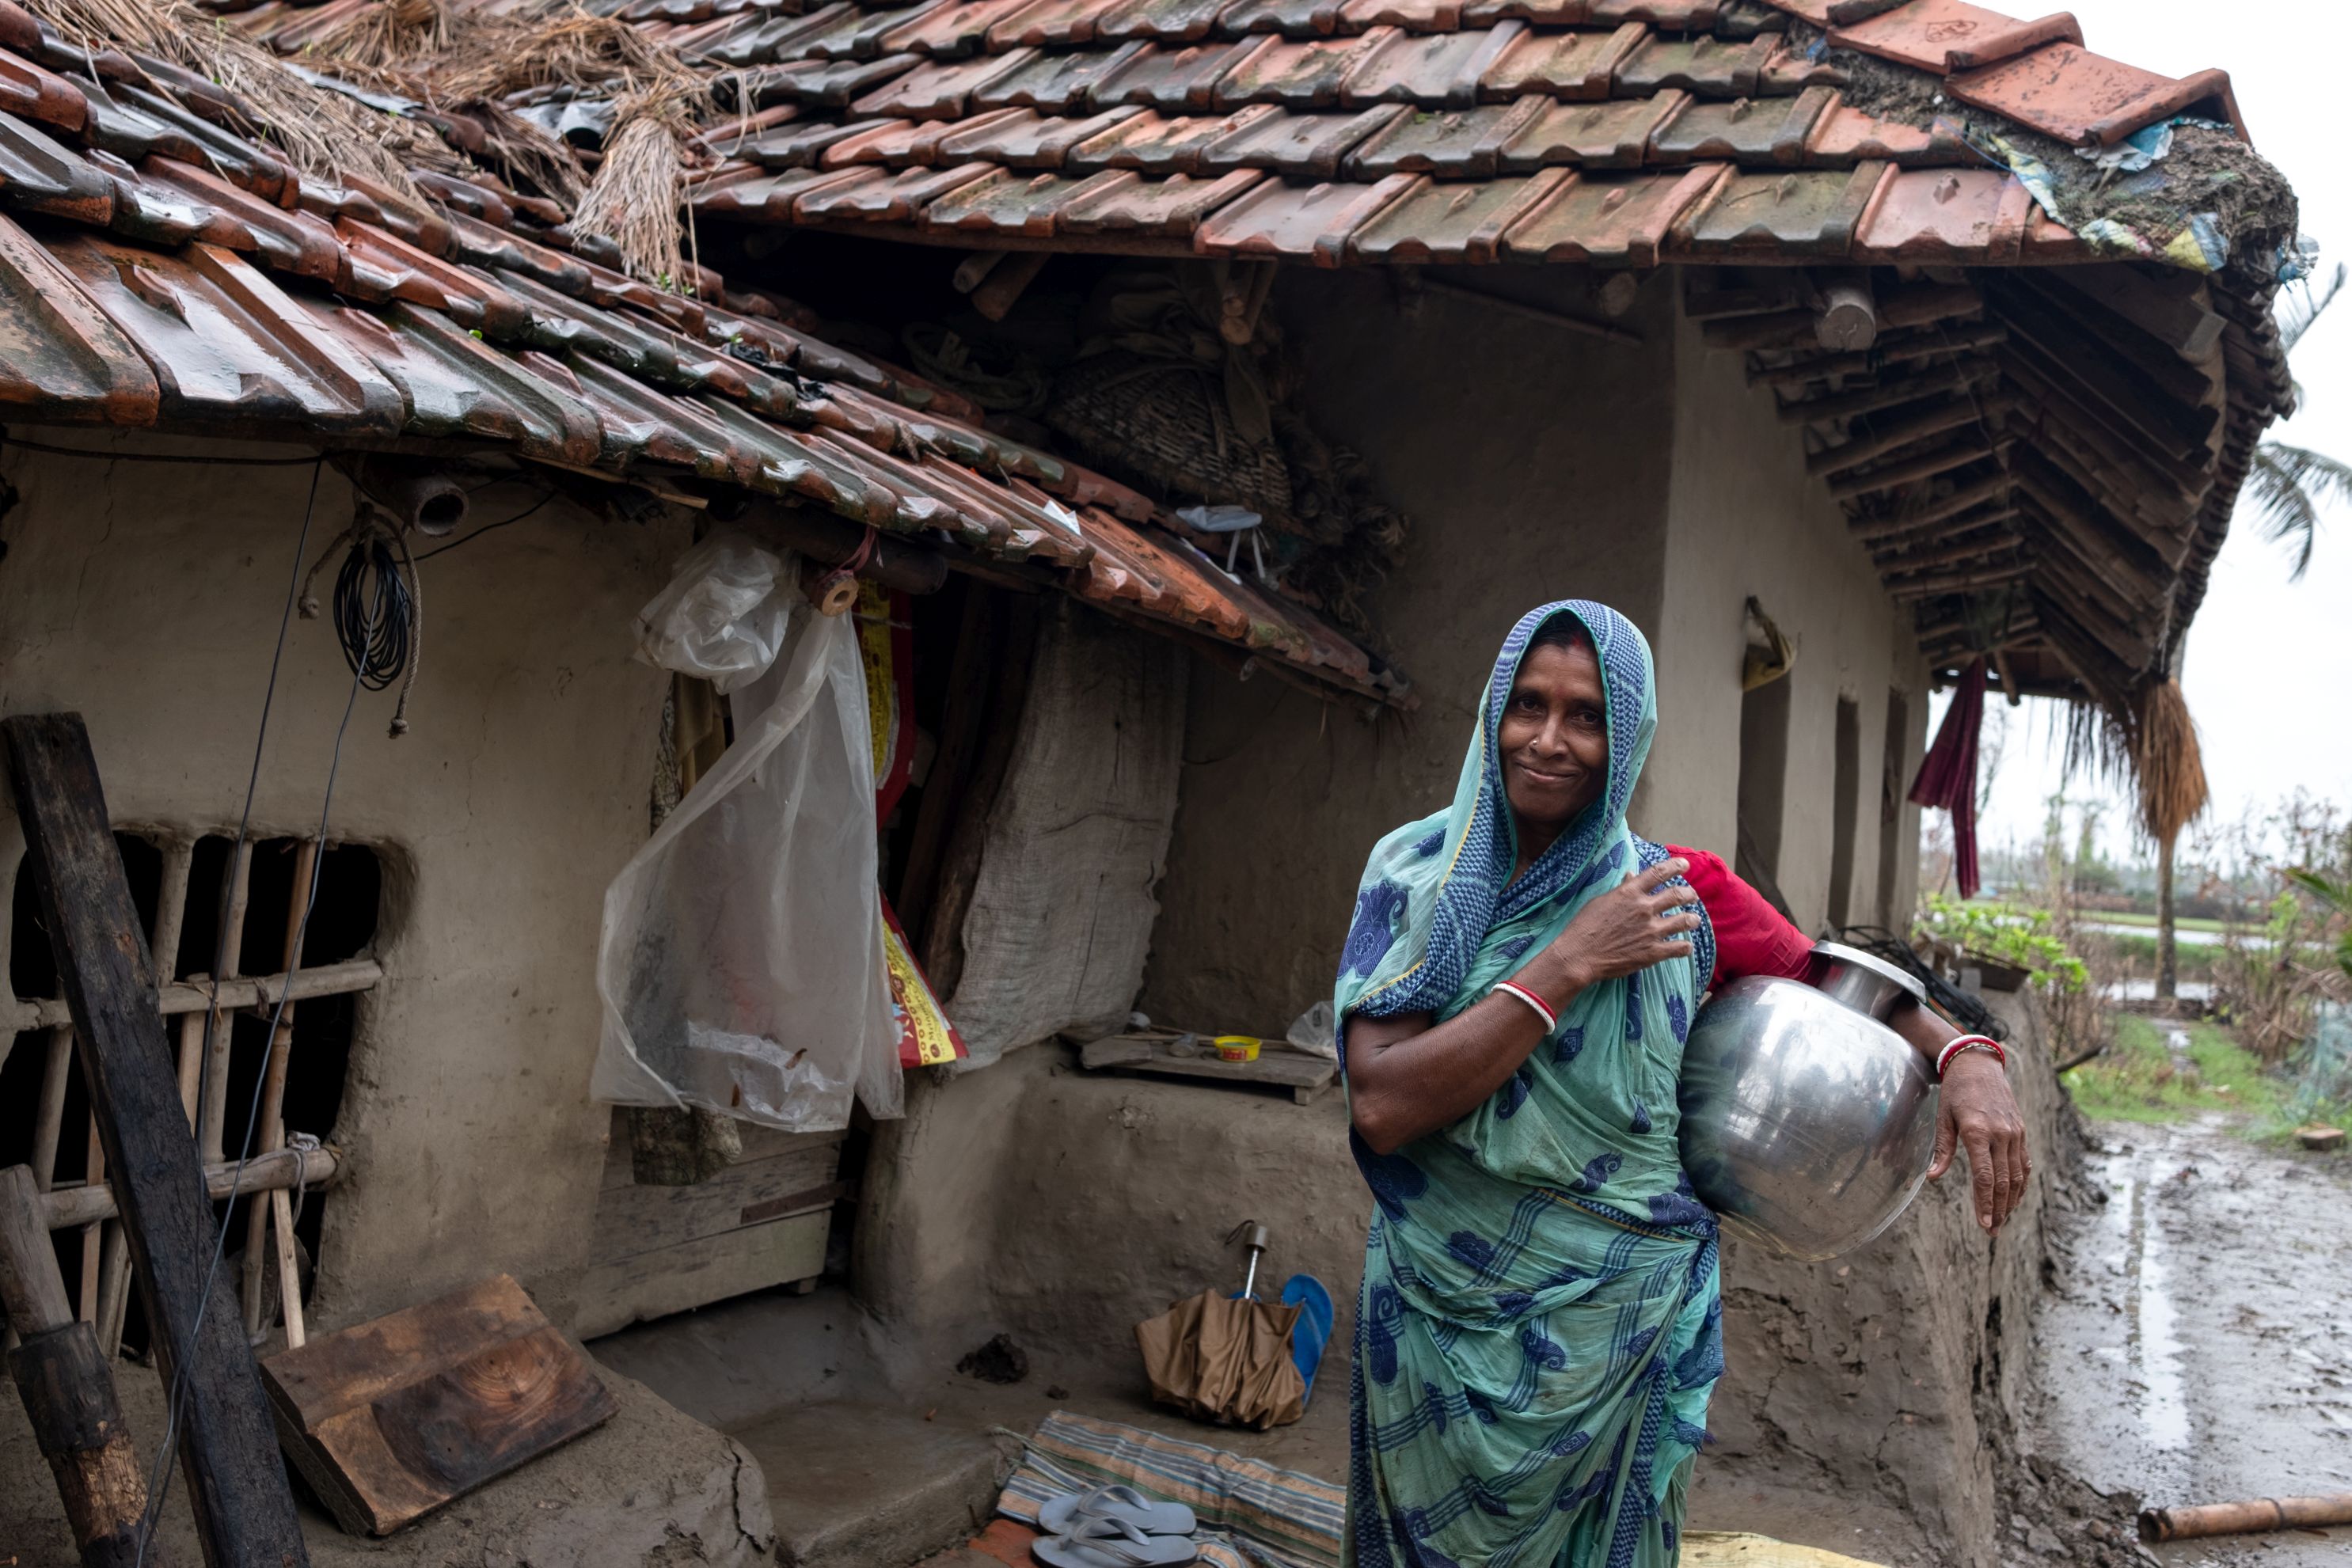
x=1226, y=1358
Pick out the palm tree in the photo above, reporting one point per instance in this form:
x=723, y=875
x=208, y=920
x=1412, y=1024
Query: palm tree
x=2288, y=484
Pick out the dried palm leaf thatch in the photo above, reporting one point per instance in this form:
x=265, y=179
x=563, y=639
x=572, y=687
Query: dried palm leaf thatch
x=2152, y=741
x=324, y=132
x=2168, y=761
x=527, y=149
x=386, y=34
x=639, y=192
x=550, y=45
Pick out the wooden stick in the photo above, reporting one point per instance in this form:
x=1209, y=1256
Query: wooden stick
x=1846, y=320
x=172, y=906
x=50, y=1120
x=320, y=1167
x=1932, y=421
x=195, y=994
x=215, y=1111
x=113, y=1290
x=273, y=1111
x=2244, y=1518
x=94, y=1170
x=237, y=1485
x=1943, y=460
x=1886, y=395
x=192, y=1062
x=67, y=1389
x=996, y=294
x=290, y=1274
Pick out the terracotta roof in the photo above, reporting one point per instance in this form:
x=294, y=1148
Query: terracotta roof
x=1335, y=131
x=163, y=271
x=2041, y=447
x=2043, y=492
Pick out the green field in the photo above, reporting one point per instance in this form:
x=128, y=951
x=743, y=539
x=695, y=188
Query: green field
x=2137, y=1080
x=2194, y=960
x=2133, y=917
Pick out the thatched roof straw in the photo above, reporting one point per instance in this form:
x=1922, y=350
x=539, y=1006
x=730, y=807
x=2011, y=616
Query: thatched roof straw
x=324, y=132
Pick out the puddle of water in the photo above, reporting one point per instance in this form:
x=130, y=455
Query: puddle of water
x=2153, y=1343
x=2144, y=990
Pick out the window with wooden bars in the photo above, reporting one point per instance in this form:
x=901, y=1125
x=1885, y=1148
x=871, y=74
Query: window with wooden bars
x=234, y=1079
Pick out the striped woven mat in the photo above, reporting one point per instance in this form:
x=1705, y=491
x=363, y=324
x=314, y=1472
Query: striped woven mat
x=1251, y=1514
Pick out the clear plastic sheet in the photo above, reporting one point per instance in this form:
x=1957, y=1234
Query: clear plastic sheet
x=740, y=962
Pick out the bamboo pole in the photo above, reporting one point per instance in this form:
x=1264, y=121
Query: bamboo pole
x=50, y=1119
x=2244, y=1518
x=163, y=947
x=93, y=1170
x=195, y=994
x=214, y=1106
x=272, y=1130
x=69, y=1206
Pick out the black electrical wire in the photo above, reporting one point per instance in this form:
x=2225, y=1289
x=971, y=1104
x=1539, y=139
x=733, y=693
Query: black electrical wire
x=486, y=528
x=159, y=1478
x=373, y=613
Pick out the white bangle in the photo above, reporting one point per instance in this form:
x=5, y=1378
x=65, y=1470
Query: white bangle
x=1959, y=1044
x=1542, y=1008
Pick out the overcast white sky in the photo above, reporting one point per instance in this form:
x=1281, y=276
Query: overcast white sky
x=2269, y=665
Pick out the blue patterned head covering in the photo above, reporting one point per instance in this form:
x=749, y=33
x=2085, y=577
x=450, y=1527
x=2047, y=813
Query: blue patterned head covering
x=1438, y=919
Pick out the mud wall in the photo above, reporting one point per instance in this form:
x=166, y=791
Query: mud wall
x=1533, y=462
x=1886, y=1381
x=1744, y=517
x=1067, y=1206
x=147, y=595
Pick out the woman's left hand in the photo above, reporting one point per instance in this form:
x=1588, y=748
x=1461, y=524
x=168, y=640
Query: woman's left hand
x=1978, y=1114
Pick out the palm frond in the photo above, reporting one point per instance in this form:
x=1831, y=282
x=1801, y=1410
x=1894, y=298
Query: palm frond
x=2288, y=484
x=2299, y=311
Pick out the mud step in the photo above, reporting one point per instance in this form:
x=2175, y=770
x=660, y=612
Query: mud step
x=854, y=1484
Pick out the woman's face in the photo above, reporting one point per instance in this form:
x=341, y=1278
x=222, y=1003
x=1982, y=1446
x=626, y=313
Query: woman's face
x=1555, y=736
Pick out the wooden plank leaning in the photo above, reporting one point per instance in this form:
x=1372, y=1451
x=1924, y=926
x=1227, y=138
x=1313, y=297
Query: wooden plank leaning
x=69, y=1388
x=236, y=1484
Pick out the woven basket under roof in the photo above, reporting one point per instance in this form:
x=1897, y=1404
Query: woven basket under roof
x=1166, y=423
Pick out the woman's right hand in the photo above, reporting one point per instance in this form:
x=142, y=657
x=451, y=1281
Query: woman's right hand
x=1638, y=922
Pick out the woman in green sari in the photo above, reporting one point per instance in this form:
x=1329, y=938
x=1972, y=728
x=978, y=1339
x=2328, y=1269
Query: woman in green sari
x=1540, y=1321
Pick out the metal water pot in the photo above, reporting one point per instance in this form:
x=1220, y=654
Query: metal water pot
x=1807, y=1122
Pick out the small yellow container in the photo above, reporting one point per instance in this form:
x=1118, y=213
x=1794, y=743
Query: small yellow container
x=1236, y=1047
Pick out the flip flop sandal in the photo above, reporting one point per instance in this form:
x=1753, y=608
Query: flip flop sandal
x=1116, y=1502
x=1100, y=1542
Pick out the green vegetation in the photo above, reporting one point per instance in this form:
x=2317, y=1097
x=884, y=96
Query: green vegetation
x=2005, y=933
x=2193, y=959
x=2133, y=917
x=2137, y=1078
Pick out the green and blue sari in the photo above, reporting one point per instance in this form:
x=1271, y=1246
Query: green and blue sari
x=1540, y=1321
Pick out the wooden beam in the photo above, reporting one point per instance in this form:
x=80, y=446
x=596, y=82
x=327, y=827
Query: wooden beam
x=1525, y=312
x=1943, y=460
x=228, y=1452
x=1886, y=395
x=1933, y=421
x=1846, y=320
x=1890, y=349
x=68, y=1387
x=1966, y=498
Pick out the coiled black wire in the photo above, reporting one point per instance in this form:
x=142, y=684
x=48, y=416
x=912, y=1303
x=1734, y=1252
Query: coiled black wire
x=373, y=613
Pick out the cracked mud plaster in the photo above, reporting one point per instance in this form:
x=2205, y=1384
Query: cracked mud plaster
x=1883, y=1386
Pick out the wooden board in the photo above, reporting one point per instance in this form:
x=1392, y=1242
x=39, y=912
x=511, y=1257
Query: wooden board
x=390, y=1419
x=1305, y=1076
x=696, y=1273
x=236, y=1485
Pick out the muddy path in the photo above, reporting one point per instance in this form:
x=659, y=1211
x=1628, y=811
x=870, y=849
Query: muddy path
x=2196, y=1347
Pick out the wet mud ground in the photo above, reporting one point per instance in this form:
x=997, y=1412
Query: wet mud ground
x=2196, y=1347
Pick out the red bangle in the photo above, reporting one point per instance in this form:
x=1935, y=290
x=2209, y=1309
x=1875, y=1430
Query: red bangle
x=1959, y=1043
x=1543, y=1009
